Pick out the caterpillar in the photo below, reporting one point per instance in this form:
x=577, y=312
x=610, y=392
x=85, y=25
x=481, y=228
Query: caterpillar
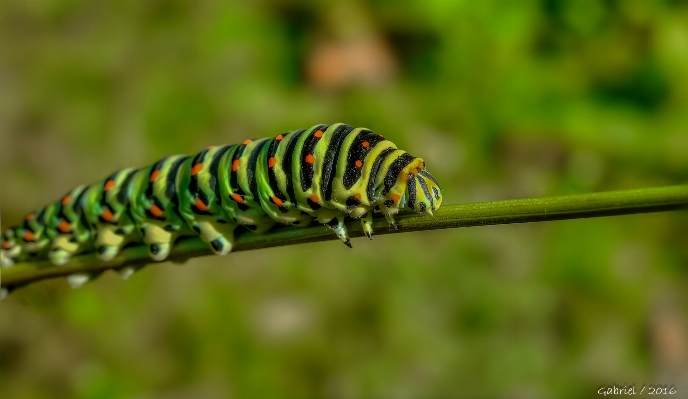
x=323, y=173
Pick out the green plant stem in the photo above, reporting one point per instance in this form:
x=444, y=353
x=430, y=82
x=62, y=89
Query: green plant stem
x=448, y=216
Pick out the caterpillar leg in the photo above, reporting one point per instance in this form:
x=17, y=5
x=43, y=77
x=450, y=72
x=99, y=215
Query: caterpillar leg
x=110, y=241
x=9, y=249
x=337, y=225
x=62, y=250
x=260, y=228
x=159, y=241
x=127, y=271
x=390, y=220
x=219, y=236
x=159, y=251
x=107, y=252
x=5, y=259
x=367, y=224
x=78, y=279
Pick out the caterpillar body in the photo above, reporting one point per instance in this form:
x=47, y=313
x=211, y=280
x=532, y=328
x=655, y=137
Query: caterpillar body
x=323, y=173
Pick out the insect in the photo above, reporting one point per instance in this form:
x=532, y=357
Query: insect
x=323, y=173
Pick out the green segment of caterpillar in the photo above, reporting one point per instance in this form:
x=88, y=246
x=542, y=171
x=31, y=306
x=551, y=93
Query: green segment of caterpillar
x=324, y=173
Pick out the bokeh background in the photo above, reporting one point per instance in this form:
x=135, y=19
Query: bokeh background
x=505, y=99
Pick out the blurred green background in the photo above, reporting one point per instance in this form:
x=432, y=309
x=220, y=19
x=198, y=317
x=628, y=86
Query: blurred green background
x=504, y=99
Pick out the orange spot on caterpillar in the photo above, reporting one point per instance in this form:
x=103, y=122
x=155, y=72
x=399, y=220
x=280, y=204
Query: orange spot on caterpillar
x=210, y=147
x=271, y=162
x=247, y=142
x=107, y=215
x=395, y=197
x=236, y=197
x=310, y=158
x=357, y=196
x=318, y=133
x=30, y=216
x=6, y=244
x=65, y=199
x=109, y=185
x=196, y=168
x=200, y=205
x=365, y=144
x=277, y=201
x=154, y=175
x=236, y=164
x=315, y=199
x=157, y=212
x=63, y=226
x=28, y=236
x=358, y=163
x=415, y=171
x=279, y=137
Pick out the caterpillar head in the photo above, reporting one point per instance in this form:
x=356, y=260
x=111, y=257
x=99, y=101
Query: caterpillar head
x=414, y=189
x=423, y=193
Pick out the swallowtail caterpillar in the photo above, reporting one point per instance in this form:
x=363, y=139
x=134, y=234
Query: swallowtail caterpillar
x=322, y=173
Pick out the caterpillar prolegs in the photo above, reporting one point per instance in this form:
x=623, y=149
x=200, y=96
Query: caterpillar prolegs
x=322, y=173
